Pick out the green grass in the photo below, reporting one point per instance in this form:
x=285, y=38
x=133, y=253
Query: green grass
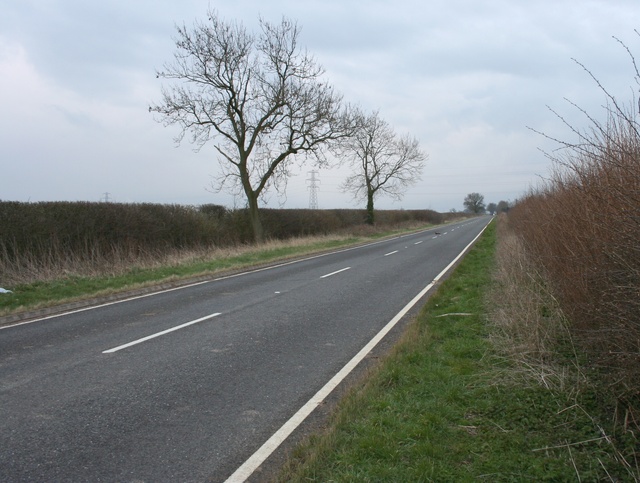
x=439, y=409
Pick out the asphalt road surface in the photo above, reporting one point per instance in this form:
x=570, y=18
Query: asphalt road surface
x=186, y=384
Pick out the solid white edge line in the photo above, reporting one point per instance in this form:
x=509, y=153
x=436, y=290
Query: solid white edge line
x=333, y=273
x=153, y=336
x=92, y=307
x=259, y=457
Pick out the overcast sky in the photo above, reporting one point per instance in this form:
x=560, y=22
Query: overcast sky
x=465, y=77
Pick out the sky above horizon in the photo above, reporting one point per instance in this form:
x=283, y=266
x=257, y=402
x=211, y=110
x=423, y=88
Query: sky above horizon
x=467, y=78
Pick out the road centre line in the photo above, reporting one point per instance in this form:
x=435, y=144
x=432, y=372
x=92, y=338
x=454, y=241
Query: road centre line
x=158, y=334
x=391, y=253
x=333, y=273
x=189, y=285
x=181, y=287
x=418, y=242
x=249, y=466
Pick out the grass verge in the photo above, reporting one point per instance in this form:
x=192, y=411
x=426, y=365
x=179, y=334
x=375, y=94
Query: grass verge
x=73, y=286
x=439, y=407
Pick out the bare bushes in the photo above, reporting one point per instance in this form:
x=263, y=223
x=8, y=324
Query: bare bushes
x=583, y=229
x=45, y=241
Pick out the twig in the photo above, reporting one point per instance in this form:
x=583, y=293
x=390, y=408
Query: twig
x=453, y=313
x=573, y=462
x=605, y=470
x=571, y=444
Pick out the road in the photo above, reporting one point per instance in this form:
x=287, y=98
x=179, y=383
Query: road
x=186, y=384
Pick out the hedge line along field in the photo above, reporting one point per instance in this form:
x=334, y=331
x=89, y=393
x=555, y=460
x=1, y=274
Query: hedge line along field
x=58, y=237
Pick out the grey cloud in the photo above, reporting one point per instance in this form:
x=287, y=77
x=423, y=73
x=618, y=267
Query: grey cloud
x=466, y=77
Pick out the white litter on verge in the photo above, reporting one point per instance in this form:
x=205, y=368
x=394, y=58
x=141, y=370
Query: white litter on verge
x=4, y=290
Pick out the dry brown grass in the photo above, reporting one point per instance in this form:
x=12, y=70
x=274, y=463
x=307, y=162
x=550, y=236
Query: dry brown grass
x=26, y=269
x=49, y=240
x=528, y=324
x=531, y=333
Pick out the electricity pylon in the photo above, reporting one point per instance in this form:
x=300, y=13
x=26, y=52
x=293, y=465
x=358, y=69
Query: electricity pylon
x=313, y=191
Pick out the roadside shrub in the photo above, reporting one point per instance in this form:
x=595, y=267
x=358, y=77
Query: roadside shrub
x=582, y=226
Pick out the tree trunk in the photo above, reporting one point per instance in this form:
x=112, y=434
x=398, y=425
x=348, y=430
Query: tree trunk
x=370, y=215
x=256, y=222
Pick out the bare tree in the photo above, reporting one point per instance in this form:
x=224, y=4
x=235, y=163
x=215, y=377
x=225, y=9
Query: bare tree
x=503, y=206
x=382, y=163
x=260, y=97
x=474, y=203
